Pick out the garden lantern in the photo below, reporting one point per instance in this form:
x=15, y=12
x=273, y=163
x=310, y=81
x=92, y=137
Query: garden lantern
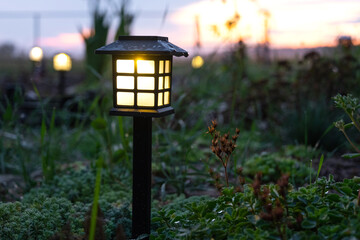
x=142, y=80
x=197, y=62
x=62, y=64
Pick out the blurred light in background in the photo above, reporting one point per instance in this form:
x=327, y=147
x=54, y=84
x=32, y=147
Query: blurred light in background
x=62, y=62
x=36, y=54
x=197, y=62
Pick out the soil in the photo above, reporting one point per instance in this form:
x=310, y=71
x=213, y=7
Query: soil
x=339, y=167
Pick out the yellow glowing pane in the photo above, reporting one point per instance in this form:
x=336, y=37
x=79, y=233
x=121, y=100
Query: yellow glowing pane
x=161, y=83
x=167, y=98
x=145, y=66
x=125, y=98
x=160, y=99
x=167, y=82
x=62, y=62
x=125, y=66
x=167, y=66
x=124, y=82
x=146, y=83
x=161, y=66
x=145, y=99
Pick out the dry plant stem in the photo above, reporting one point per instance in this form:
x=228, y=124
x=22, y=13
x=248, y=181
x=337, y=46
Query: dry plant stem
x=354, y=121
x=352, y=144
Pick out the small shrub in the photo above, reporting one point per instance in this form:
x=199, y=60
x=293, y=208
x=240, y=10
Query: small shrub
x=323, y=210
x=273, y=165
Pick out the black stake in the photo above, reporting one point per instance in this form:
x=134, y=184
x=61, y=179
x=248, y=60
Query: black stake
x=141, y=207
x=61, y=83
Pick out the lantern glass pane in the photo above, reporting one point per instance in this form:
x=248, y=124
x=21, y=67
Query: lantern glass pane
x=160, y=99
x=166, y=97
x=167, y=82
x=161, y=66
x=146, y=83
x=125, y=98
x=161, y=83
x=125, y=66
x=145, y=66
x=146, y=99
x=167, y=66
x=124, y=82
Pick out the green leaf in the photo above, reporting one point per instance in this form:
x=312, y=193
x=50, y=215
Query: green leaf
x=308, y=224
x=351, y=155
x=303, y=200
x=99, y=124
x=333, y=197
x=346, y=190
x=320, y=165
x=8, y=113
x=335, y=216
x=43, y=131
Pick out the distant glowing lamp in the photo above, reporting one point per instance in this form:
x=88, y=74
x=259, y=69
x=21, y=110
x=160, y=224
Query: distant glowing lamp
x=142, y=75
x=62, y=62
x=36, y=54
x=197, y=62
x=142, y=79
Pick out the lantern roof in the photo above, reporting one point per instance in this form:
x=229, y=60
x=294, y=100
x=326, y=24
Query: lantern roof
x=142, y=45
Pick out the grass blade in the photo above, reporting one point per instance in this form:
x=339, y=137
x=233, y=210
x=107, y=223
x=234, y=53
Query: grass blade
x=320, y=165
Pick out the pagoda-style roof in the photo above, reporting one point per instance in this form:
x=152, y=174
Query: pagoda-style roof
x=142, y=45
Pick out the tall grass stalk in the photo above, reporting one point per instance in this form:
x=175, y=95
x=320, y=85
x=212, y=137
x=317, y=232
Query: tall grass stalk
x=124, y=141
x=94, y=211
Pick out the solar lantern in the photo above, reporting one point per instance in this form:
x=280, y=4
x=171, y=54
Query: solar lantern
x=142, y=86
x=62, y=64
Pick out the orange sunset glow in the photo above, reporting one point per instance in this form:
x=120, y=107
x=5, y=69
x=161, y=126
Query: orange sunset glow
x=292, y=24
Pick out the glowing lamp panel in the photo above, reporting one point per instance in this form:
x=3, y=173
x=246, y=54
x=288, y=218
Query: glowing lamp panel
x=145, y=66
x=125, y=98
x=125, y=82
x=146, y=99
x=125, y=66
x=142, y=83
x=146, y=83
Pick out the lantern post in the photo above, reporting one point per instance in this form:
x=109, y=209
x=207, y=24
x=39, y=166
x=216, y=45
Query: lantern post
x=62, y=64
x=142, y=80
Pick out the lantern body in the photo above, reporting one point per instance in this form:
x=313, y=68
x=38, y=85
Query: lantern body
x=142, y=75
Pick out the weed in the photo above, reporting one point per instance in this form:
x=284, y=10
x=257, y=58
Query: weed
x=222, y=146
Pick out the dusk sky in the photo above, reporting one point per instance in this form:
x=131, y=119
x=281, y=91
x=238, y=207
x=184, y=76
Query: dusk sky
x=292, y=23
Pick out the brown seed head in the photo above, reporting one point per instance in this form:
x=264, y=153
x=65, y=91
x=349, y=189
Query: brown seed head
x=239, y=170
x=278, y=213
x=214, y=123
x=234, y=137
x=266, y=216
